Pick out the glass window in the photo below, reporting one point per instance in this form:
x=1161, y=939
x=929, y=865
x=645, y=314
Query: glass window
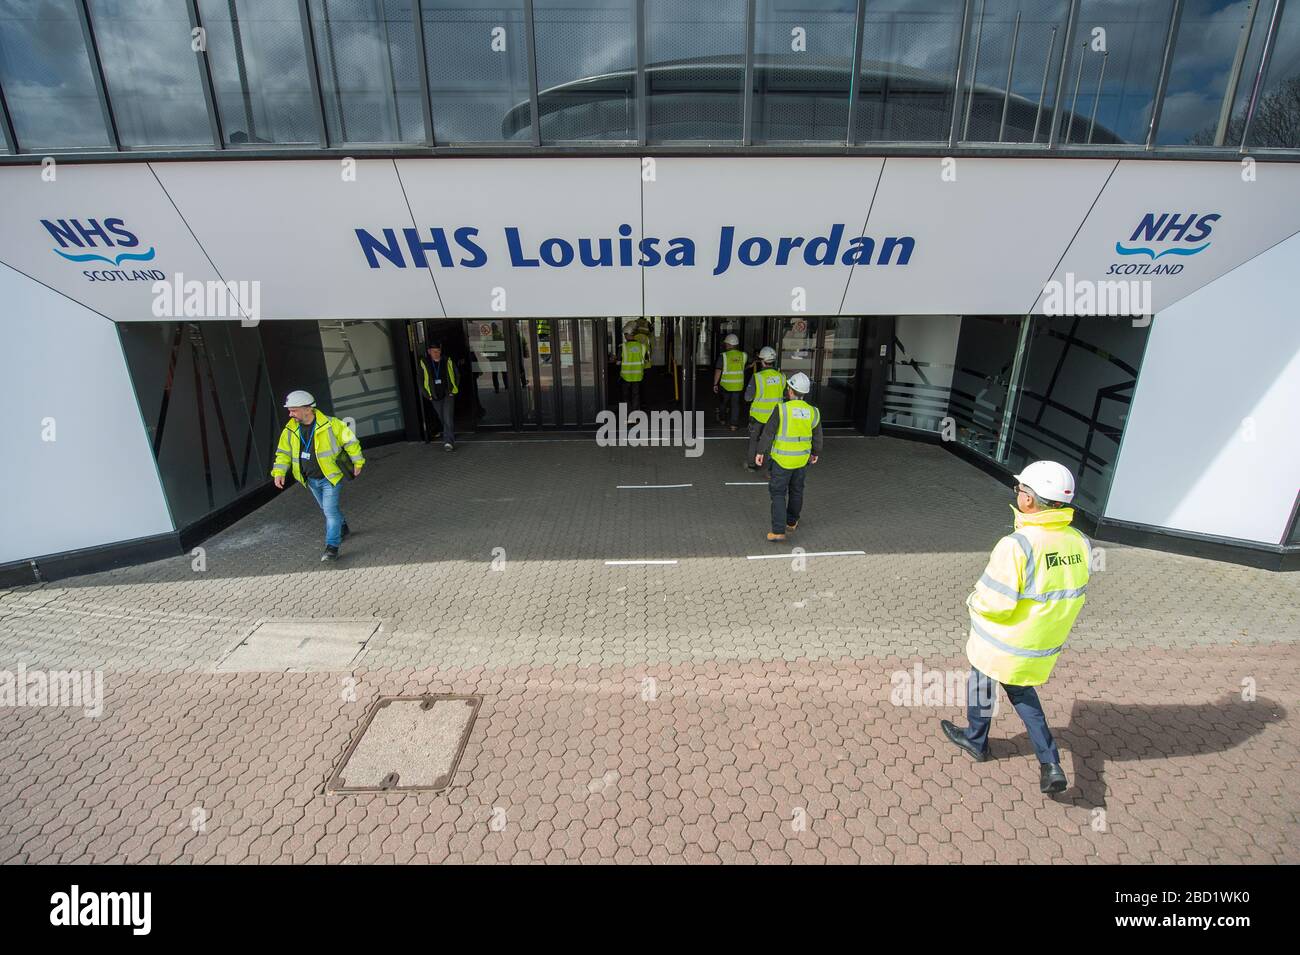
x=369, y=70
x=1078, y=377
x=1276, y=123
x=1113, y=72
x=151, y=71
x=1012, y=66
x=476, y=55
x=586, y=69
x=1211, y=38
x=909, y=61
x=489, y=371
x=362, y=376
x=839, y=370
x=695, y=70
x=47, y=79
x=802, y=64
x=921, y=371
x=982, y=375
x=208, y=410
x=258, y=58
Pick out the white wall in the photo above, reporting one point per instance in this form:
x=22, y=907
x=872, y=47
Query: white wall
x=1213, y=438
x=96, y=482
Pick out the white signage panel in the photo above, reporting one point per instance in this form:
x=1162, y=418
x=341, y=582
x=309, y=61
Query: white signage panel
x=102, y=234
x=292, y=227
x=1168, y=228
x=525, y=237
x=987, y=233
x=765, y=236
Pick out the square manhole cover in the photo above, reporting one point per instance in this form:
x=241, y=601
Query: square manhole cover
x=408, y=743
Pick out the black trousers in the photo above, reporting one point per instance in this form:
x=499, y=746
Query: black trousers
x=632, y=395
x=786, y=490
x=729, y=406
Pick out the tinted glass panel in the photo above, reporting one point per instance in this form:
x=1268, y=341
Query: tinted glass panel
x=1112, y=77
x=803, y=56
x=986, y=355
x=695, y=69
x=476, y=55
x=921, y=371
x=151, y=72
x=46, y=75
x=1011, y=71
x=1078, y=380
x=369, y=70
x=586, y=65
x=259, y=69
x=1212, y=36
x=1277, y=117
x=908, y=64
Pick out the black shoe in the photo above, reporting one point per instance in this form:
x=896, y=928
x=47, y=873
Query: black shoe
x=958, y=738
x=448, y=446
x=331, y=554
x=346, y=530
x=1051, y=779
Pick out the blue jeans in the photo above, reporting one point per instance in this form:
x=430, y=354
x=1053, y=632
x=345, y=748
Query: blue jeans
x=327, y=496
x=980, y=691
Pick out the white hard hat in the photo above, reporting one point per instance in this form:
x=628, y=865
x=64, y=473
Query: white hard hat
x=767, y=353
x=1049, y=480
x=300, y=399
x=629, y=328
x=731, y=340
x=800, y=383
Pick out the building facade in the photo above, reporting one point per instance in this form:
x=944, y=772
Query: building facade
x=1063, y=229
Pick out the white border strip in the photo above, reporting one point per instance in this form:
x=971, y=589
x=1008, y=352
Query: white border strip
x=745, y=483
x=642, y=487
x=824, y=553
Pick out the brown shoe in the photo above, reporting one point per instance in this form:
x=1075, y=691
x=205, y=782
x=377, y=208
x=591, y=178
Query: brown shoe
x=790, y=528
x=775, y=537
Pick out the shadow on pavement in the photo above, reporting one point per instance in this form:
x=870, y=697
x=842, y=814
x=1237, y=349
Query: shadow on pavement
x=1102, y=733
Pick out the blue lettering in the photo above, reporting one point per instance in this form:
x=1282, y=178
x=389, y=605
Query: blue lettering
x=906, y=243
x=389, y=250
x=62, y=233
x=517, y=258
x=124, y=237
x=465, y=239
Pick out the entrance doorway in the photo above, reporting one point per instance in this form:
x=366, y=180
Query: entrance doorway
x=558, y=374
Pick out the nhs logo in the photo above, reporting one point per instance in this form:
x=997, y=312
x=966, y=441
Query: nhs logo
x=1159, y=234
x=96, y=240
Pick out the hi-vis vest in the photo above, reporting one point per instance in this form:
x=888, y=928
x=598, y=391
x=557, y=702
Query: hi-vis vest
x=1023, y=607
x=329, y=438
x=797, y=420
x=452, y=387
x=634, y=356
x=733, y=371
x=769, y=387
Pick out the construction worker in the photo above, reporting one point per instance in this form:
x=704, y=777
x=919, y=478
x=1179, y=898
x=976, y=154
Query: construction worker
x=729, y=380
x=764, y=392
x=645, y=335
x=631, y=362
x=440, y=390
x=792, y=438
x=1021, y=612
x=319, y=448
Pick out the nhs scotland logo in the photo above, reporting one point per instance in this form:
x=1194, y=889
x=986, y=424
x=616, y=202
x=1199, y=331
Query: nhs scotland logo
x=1162, y=234
x=102, y=240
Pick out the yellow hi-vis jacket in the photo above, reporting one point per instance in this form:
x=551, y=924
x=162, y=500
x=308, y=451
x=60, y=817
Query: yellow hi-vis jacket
x=330, y=437
x=632, y=364
x=1024, y=605
x=452, y=387
x=733, y=370
x=769, y=389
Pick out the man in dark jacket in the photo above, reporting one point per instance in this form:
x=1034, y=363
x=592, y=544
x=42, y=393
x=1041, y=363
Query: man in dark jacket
x=440, y=388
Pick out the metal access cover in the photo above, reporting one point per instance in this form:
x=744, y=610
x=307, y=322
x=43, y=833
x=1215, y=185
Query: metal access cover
x=301, y=645
x=407, y=744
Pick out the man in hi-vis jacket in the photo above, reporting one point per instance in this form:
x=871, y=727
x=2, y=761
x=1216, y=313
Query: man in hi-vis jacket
x=1021, y=612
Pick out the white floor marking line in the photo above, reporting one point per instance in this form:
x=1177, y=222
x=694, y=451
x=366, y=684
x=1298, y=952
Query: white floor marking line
x=745, y=483
x=824, y=553
x=641, y=487
x=628, y=563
